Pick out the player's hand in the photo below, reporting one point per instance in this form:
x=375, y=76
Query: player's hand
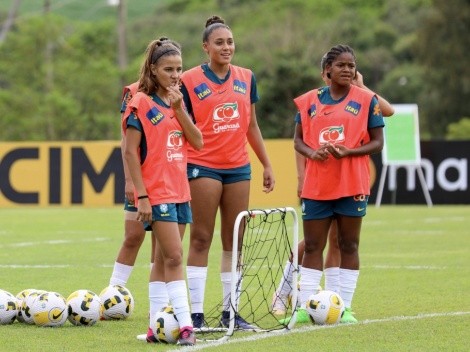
x=300, y=185
x=358, y=80
x=338, y=151
x=268, y=180
x=320, y=154
x=129, y=192
x=144, y=210
x=175, y=96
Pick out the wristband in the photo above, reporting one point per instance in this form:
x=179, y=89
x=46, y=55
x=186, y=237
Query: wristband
x=142, y=197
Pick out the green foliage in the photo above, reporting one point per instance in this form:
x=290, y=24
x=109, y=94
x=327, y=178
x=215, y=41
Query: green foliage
x=409, y=51
x=442, y=49
x=459, y=130
x=297, y=79
x=60, y=81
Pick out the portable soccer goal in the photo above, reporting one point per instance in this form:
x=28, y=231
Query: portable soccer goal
x=267, y=240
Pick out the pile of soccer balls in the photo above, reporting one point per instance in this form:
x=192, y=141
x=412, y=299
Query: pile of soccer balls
x=81, y=308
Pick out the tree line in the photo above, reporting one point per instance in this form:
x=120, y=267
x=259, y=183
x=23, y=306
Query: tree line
x=60, y=78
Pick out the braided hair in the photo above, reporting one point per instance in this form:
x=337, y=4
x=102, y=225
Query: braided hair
x=333, y=53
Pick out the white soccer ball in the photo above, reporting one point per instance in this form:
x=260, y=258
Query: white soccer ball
x=325, y=307
x=49, y=309
x=83, y=308
x=20, y=298
x=30, y=297
x=117, y=302
x=165, y=327
x=8, y=307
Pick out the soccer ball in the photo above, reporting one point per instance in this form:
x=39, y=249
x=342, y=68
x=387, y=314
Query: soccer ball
x=20, y=298
x=49, y=309
x=325, y=307
x=29, y=298
x=8, y=307
x=116, y=302
x=165, y=327
x=83, y=308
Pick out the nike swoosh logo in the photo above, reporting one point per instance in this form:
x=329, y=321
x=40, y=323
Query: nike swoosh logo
x=360, y=209
x=57, y=316
x=327, y=113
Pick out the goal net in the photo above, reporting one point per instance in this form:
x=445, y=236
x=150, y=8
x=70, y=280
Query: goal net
x=268, y=239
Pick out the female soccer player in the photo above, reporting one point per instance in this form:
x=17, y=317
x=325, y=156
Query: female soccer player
x=158, y=130
x=333, y=256
x=221, y=97
x=338, y=127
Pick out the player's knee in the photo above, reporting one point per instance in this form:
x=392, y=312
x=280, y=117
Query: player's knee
x=312, y=247
x=200, y=242
x=349, y=247
x=174, y=259
x=133, y=240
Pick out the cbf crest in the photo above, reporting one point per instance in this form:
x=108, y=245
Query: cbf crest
x=163, y=208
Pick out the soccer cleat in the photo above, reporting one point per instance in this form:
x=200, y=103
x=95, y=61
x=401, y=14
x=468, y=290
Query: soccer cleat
x=198, y=320
x=348, y=317
x=302, y=317
x=280, y=303
x=240, y=323
x=187, y=336
x=150, y=338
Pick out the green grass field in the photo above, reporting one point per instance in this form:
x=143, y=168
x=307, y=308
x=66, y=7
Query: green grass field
x=412, y=295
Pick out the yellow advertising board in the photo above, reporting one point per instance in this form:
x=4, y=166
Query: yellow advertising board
x=90, y=174
x=61, y=173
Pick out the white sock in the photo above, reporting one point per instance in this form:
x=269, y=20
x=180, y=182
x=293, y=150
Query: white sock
x=309, y=281
x=285, y=285
x=348, y=281
x=226, y=279
x=158, y=297
x=121, y=273
x=197, y=277
x=332, y=282
x=177, y=291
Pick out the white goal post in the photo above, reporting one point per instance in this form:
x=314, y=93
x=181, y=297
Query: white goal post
x=265, y=242
x=243, y=217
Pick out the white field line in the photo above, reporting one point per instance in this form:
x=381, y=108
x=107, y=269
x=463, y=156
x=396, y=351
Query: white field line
x=262, y=336
x=52, y=242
